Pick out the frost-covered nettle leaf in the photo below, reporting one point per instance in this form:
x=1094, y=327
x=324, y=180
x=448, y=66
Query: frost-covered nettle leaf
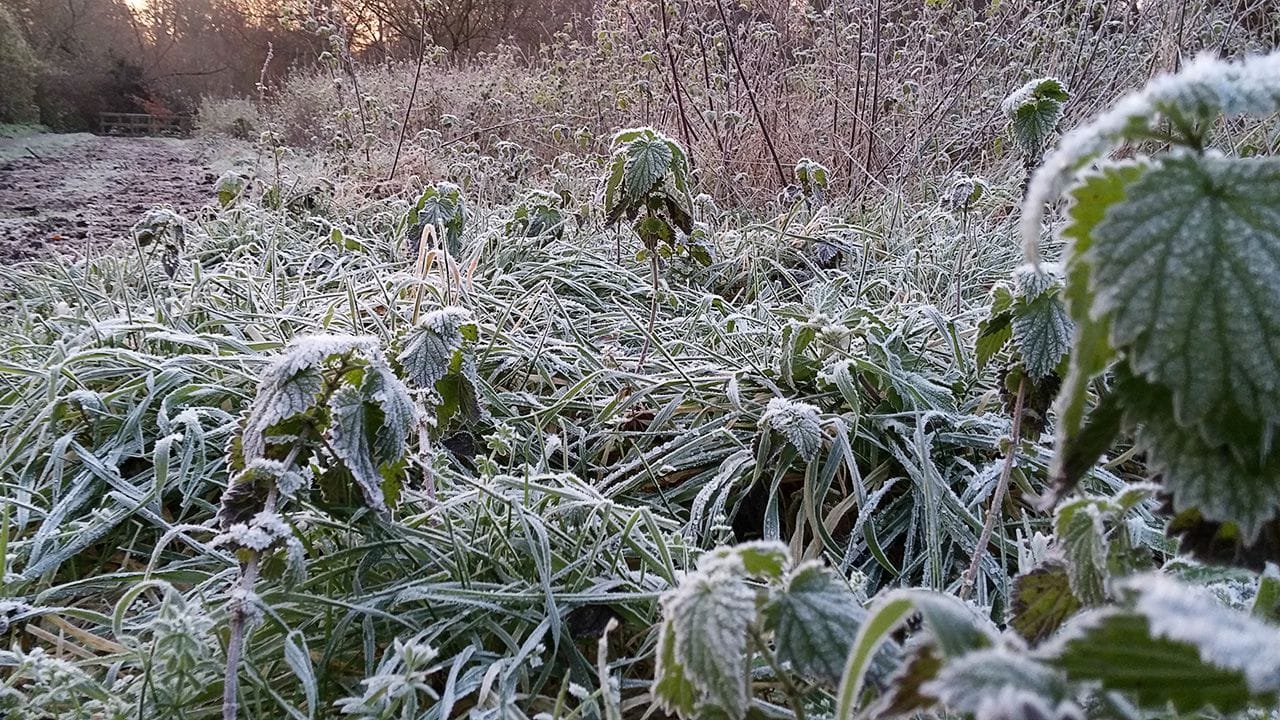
x=1042, y=330
x=1032, y=315
x=247, y=491
x=1205, y=88
x=964, y=194
x=812, y=177
x=648, y=161
x=1188, y=269
x=539, y=213
x=1034, y=111
x=1207, y=655
x=798, y=422
x=230, y=186
x=331, y=398
x=816, y=618
x=440, y=206
x=1017, y=704
x=709, y=614
x=1083, y=539
x=435, y=347
x=293, y=382
x=1042, y=601
x=965, y=683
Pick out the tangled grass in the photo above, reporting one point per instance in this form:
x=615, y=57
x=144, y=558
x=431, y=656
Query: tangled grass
x=831, y=400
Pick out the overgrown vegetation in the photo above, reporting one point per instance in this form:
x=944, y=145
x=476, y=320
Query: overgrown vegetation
x=468, y=444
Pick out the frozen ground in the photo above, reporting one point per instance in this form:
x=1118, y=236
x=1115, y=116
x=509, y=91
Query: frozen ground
x=71, y=194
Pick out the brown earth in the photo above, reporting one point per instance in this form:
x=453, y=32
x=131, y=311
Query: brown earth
x=68, y=194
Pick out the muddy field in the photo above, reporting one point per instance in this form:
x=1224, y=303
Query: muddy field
x=69, y=194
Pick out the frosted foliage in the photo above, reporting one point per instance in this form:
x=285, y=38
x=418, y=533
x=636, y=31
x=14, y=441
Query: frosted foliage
x=1016, y=704
x=798, y=422
x=710, y=613
x=648, y=161
x=1043, y=333
x=818, y=618
x=1189, y=268
x=1224, y=484
x=348, y=435
x=970, y=681
x=1206, y=85
x=292, y=383
x=1228, y=639
x=262, y=532
x=429, y=349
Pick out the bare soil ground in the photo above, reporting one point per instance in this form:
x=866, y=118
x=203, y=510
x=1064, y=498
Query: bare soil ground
x=68, y=194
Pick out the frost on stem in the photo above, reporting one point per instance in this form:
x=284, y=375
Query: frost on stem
x=1206, y=87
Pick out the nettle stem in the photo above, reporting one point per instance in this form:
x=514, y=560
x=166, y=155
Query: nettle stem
x=997, y=500
x=241, y=596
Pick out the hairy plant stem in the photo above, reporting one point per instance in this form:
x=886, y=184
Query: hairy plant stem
x=239, y=613
x=997, y=499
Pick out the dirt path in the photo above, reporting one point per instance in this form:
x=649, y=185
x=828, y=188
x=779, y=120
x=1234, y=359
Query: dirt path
x=67, y=193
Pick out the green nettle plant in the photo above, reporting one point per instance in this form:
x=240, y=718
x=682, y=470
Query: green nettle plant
x=648, y=184
x=1164, y=324
x=539, y=214
x=1034, y=111
x=329, y=412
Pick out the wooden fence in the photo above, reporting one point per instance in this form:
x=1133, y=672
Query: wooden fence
x=136, y=124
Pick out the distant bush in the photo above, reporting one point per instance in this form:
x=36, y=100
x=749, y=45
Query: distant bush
x=18, y=71
x=232, y=117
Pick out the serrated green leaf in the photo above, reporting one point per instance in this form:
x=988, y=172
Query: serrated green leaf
x=710, y=614
x=1222, y=481
x=1188, y=267
x=648, y=161
x=1042, y=602
x=1083, y=538
x=816, y=620
x=1042, y=330
x=348, y=435
x=430, y=349
x=1207, y=655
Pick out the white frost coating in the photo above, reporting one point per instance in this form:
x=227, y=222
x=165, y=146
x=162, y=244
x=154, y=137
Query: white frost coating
x=1206, y=84
x=260, y=533
x=799, y=422
x=1223, y=637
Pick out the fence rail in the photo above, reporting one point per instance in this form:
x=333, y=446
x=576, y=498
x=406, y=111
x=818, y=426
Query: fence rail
x=136, y=124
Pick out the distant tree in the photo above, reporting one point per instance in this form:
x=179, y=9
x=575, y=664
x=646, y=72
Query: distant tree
x=18, y=70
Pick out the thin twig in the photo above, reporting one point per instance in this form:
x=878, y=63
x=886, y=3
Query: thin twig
x=997, y=500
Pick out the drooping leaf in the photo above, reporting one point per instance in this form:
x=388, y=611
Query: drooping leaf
x=1083, y=538
x=1042, y=602
x=349, y=436
x=672, y=688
